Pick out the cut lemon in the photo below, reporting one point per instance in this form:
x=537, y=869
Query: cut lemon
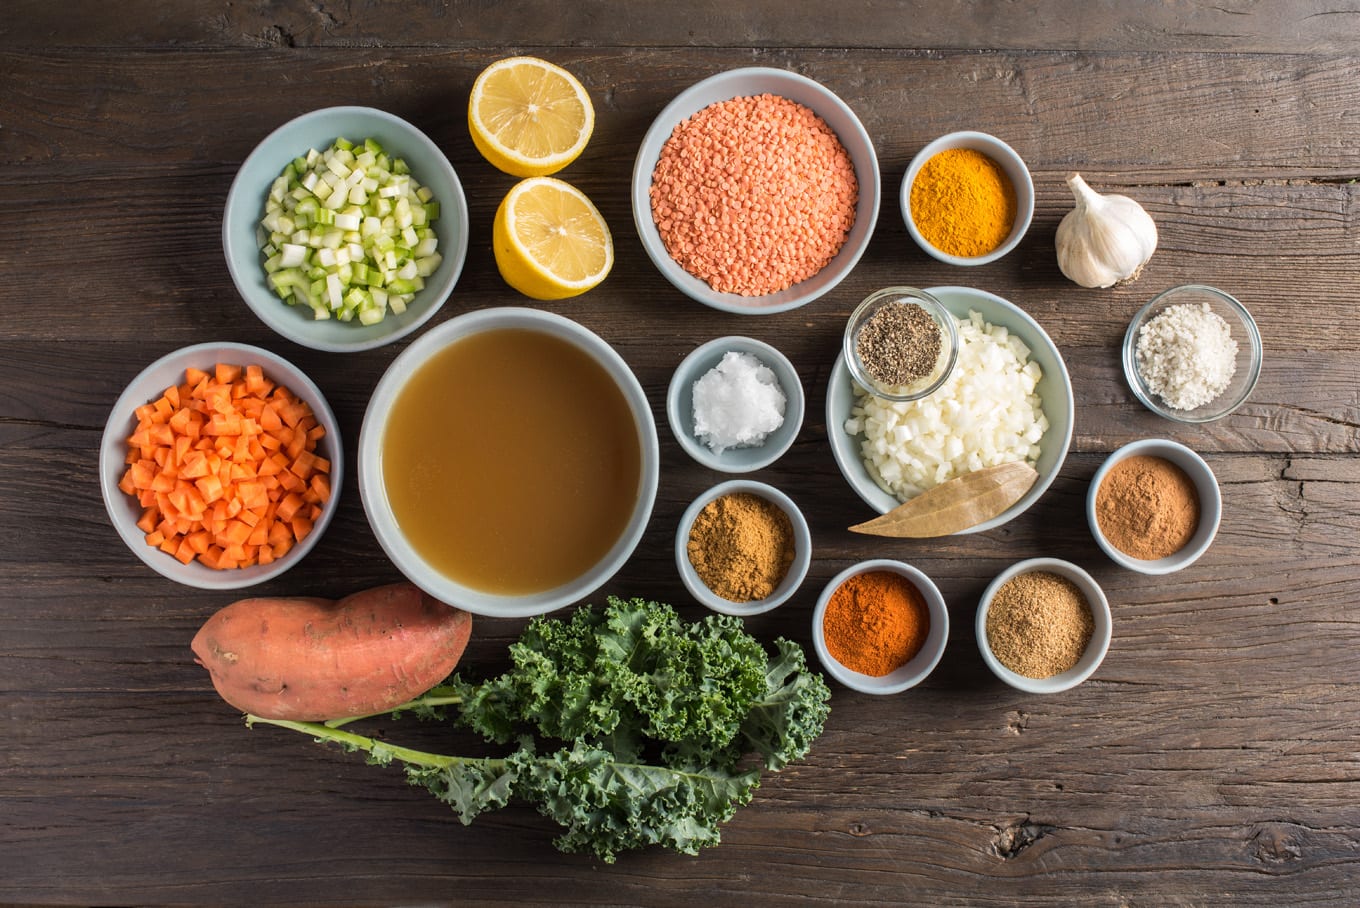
x=529, y=117
x=550, y=240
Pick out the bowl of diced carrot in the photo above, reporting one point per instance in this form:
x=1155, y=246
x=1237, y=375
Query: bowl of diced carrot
x=220, y=465
x=755, y=191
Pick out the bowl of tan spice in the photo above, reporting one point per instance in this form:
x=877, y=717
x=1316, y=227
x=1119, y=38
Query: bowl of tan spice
x=1043, y=625
x=1154, y=506
x=880, y=626
x=743, y=548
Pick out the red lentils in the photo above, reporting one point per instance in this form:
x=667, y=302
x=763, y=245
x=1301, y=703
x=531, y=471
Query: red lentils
x=753, y=195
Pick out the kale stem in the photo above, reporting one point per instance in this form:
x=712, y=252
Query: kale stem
x=435, y=697
x=378, y=749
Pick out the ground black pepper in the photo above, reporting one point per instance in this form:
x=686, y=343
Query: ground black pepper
x=899, y=344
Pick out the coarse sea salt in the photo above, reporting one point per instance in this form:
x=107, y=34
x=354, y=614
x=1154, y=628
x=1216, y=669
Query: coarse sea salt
x=1187, y=355
x=737, y=403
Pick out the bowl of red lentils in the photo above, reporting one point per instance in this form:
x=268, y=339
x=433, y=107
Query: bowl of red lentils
x=756, y=191
x=967, y=198
x=880, y=626
x=1043, y=625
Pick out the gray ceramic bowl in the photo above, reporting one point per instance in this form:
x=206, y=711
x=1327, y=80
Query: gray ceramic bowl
x=680, y=405
x=1244, y=331
x=378, y=507
x=802, y=550
x=1055, y=388
x=738, y=83
x=1010, y=162
x=124, y=510
x=919, y=666
x=1095, y=650
x=1210, y=503
x=245, y=208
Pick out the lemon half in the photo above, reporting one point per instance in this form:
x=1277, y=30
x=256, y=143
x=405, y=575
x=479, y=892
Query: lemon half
x=529, y=117
x=550, y=240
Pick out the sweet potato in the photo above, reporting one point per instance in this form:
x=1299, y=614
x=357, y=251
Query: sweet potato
x=310, y=659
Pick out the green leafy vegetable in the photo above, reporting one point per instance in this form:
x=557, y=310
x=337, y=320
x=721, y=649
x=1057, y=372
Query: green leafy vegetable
x=630, y=727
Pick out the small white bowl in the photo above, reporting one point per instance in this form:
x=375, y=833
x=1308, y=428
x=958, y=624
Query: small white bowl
x=1210, y=505
x=1095, y=650
x=1055, y=388
x=245, y=208
x=148, y=386
x=1009, y=161
x=1244, y=331
x=378, y=506
x=793, y=578
x=739, y=83
x=680, y=405
x=919, y=666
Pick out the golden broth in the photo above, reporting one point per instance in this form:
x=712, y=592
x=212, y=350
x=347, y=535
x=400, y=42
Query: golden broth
x=511, y=461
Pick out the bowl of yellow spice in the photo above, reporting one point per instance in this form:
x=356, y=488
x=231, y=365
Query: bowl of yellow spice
x=743, y=548
x=967, y=198
x=880, y=626
x=1043, y=625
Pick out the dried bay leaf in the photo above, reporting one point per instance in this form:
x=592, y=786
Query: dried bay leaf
x=956, y=505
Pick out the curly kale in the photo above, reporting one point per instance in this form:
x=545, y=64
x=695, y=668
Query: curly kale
x=630, y=727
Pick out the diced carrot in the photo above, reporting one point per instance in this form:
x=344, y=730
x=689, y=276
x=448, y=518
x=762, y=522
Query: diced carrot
x=225, y=468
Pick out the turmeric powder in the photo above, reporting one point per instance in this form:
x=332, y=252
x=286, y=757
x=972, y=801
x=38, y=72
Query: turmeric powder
x=963, y=203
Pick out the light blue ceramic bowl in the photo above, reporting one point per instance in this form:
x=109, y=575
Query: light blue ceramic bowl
x=245, y=207
x=680, y=405
x=124, y=510
x=740, y=83
x=1055, y=388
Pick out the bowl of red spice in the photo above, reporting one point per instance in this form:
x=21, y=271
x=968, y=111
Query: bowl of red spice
x=1154, y=506
x=1043, y=625
x=880, y=626
x=743, y=548
x=967, y=198
x=756, y=191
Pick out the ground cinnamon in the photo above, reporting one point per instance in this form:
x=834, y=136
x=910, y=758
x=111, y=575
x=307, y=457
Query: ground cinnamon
x=741, y=546
x=1147, y=507
x=875, y=622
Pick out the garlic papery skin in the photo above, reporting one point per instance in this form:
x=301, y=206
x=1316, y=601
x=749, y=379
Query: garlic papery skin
x=1106, y=239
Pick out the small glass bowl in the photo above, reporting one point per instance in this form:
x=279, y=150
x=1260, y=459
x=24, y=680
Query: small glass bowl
x=1244, y=331
x=949, y=343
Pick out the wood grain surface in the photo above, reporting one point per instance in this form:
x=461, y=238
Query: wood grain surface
x=1211, y=760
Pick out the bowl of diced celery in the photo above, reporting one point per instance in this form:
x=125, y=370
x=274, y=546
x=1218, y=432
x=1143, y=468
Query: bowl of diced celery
x=345, y=229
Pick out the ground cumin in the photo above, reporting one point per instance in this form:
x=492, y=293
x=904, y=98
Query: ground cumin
x=1039, y=624
x=875, y=622
x=963, y=203
x=741, y=546
x=1147, y=507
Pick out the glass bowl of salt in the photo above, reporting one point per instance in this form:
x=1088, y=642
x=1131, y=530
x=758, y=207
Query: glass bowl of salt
x=900, y=344
x=735, y=404
x=1192, y=354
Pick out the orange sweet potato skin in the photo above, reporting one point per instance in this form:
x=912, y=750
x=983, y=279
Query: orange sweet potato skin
x=311, y=660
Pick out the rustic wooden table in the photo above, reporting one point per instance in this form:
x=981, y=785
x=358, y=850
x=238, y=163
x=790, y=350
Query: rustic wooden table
x=1212, y=759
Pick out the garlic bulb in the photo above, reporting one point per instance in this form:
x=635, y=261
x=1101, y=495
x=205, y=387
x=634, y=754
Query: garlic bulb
x=1106, y=239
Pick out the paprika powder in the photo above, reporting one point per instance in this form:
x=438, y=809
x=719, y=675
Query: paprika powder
x=875, y=622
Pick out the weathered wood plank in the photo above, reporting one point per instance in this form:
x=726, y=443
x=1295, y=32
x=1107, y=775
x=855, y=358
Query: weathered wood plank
x=1238, y=27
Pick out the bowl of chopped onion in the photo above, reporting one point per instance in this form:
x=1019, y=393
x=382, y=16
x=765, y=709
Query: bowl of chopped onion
x=1008, y=398
x=345, y=229
x=1192, y=354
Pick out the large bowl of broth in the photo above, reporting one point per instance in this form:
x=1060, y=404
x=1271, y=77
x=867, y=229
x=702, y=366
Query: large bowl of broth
x=508, y=462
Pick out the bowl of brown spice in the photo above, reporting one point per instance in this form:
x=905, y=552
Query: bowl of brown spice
x=1154, y=506
x=743, y=548
x=880, y=626
x=1043, y=625
x=900, y=344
